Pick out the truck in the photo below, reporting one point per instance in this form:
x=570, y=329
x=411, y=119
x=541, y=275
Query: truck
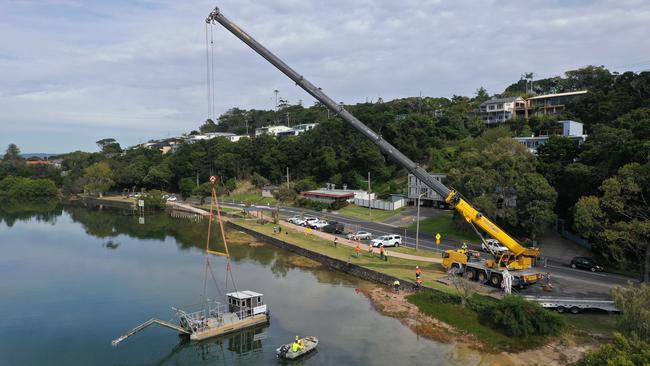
x=518, y=260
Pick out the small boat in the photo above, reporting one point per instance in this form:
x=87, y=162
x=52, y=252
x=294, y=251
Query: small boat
x=286, y=352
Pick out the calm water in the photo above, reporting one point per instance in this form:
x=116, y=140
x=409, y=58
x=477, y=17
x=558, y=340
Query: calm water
x=72, y=279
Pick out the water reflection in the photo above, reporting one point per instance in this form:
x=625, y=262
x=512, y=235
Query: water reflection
x=239, y=346
x=66, y=293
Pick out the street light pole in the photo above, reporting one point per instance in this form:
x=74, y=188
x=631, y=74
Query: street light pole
x=369, y=200
x=417, y=224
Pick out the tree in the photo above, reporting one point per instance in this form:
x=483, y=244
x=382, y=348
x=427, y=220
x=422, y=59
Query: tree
x=159, y=176
x=618, y=222
x=12, y=154
x=186, y=186
x=99, y=176
x=634, y=303
x=109, y=147
x=153, y=200
x=499, y=178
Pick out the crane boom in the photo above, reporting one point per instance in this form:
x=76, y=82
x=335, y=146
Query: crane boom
x=451, y=197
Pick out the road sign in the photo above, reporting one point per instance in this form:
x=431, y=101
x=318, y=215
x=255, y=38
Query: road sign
x=140, y=203
x=438, y=238
x=213, y=179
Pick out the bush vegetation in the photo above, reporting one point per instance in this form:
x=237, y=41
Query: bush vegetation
x=27, y=188
x=516, y=317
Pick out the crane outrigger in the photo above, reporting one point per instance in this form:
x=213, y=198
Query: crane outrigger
x=517, y=259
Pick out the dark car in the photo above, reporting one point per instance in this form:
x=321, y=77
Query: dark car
x=585, y=263
x=333, y=228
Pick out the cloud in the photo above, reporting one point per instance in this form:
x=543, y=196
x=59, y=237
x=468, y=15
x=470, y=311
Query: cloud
x=135, y=70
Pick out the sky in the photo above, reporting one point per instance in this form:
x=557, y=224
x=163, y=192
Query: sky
x=73, y=71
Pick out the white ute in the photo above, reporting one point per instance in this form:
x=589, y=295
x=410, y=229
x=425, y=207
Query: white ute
x=387, y=240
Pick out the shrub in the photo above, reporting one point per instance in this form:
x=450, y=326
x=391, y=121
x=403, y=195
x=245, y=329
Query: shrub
x=154, y=200
x=621, y=352
x=337, y=205
x=314, y=205
x=26, y=188
x=185, y=186
x=516, y=317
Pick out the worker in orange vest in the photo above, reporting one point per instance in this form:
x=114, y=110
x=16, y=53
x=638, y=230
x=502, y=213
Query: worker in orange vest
x=357, y=249
x=418, y=272
x=381, y=251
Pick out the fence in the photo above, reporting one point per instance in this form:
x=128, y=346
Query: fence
x=381, y=204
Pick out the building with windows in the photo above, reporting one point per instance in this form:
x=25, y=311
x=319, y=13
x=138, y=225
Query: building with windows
x=499, y=110
x=331, y=194
x=569, y=129
x=429, y=197
x=297, y=130
x=272, y=130
x=550, y=104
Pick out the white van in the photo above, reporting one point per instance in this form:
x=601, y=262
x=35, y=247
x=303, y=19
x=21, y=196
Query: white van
x=388, y=241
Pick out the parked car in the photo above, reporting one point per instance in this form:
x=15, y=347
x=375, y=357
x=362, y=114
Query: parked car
x=387, y=240
x=334, y=228
x=309, y=220
x=134, y=195
x=585, y=263
x=295, y=220
x=494, y=246
x=318, y=224
x=172, y=198
x=360, y=235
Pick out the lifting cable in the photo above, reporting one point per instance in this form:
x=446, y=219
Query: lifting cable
x=207, y=70
x=214, y=114
x=214, y=203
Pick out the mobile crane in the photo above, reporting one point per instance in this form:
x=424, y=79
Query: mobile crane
x=518, y=259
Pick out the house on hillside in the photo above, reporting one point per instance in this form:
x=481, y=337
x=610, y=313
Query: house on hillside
x=272, y=130
x=569, y=129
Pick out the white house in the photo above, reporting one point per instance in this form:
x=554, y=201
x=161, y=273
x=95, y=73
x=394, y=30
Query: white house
x=272, y=130
x=570, y=129
x=499, y=110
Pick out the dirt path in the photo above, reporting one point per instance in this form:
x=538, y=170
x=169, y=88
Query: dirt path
x=469, y=350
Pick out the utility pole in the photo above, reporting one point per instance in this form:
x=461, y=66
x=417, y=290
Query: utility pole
x=287, y=177
x=197, y=179
x=417, y=224
x=369, y=199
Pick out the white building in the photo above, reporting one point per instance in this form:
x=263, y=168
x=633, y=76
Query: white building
x=429, y=196
x=570, y=129
x=272, y=130
x=331, y=194
x=236, y=138
x=499, y=110
x=208, y=136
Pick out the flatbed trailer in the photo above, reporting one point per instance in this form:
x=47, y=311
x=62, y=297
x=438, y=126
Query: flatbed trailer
x=574, y=305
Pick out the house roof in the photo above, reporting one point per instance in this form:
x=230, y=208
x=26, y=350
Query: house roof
x=329, y=193
x=501, y=100
x=559, y=94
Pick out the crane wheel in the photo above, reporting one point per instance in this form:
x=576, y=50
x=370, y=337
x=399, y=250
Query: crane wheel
x=471, y=275
x=482, y=276
x=495, y=280
x=574, y=310
x=560, y=309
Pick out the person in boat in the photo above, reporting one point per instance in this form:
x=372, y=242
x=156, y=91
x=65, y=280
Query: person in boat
x=297, y=345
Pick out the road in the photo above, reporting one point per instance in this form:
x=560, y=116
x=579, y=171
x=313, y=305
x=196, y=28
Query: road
x=565, y=280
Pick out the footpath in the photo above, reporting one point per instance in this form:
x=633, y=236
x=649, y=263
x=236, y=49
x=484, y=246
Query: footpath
x=316, y=233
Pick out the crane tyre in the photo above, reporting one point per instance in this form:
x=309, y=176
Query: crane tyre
x=495, y=280
x=482, y=276
x=471, y=275
x=574, y=310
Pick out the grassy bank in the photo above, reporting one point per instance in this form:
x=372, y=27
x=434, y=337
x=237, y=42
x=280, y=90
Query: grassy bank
x=442, y=224
x=401, y=268
x=362, y=213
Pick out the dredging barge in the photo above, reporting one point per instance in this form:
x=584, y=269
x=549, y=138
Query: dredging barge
x=210, y=318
